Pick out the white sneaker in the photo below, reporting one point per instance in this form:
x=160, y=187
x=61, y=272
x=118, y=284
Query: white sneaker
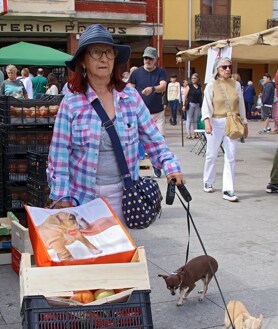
x=208, y=188
x=230, y=196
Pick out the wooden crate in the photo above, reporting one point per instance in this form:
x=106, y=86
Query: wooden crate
x=20, y=238
x=58, y=281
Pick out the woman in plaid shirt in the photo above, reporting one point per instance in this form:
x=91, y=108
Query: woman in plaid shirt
x=82, y=163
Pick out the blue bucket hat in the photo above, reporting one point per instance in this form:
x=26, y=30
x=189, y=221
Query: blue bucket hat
x=98, y=34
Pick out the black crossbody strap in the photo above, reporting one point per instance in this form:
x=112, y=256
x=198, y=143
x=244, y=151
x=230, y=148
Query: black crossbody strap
x=110, y=128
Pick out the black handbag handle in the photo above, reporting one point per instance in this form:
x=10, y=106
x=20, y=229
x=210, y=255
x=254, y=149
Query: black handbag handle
x=110, y=128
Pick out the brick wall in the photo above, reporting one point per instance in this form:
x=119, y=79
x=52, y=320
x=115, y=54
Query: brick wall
x=149, y=7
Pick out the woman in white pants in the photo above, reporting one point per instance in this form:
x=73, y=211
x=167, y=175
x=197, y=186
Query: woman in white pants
x=214, y=112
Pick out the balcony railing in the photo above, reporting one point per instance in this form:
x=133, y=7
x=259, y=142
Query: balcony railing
x=272, y=23
x=216, y=27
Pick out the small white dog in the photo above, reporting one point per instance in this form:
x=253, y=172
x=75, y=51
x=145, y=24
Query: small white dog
x=240, y=317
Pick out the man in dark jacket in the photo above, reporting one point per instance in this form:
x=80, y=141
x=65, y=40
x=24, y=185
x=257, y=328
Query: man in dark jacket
x=267, y=101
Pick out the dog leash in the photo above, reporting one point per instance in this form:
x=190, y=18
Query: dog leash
x=190, y=219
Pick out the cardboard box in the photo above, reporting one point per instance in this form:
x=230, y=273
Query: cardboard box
x=58, y=281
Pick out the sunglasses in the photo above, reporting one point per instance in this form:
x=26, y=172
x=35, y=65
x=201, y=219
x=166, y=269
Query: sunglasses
x=225, y=67
x=148, y=58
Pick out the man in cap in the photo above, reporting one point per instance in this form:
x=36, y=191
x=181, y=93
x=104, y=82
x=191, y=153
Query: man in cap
x=151, y=81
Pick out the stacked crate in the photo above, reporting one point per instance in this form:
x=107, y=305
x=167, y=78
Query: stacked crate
x=26, y=126
x=37, y=187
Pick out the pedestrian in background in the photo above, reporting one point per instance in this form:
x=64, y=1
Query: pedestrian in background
x=267, y=101
x=249, y=93
x=272, y=186
x=193, y=99
x=25, y=78
x=275, y=105
x=39, y=84
x=12, y=86
x=52, y=85
x=151, y=81
x=214, y=112
x=2, y=78
x=183, y=88
x=174, y=97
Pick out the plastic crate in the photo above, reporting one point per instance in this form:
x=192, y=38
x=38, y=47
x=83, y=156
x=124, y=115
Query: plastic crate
x=38, y=194
x=37, y=313
x=15, y=111
x=23, y=140
x=15, y=167
x=37, y=164
x=15, y=196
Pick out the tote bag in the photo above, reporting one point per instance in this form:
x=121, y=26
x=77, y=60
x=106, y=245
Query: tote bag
x=87, y=234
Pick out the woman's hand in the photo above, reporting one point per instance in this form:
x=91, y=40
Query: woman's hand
x=208, y=127
x=177, y=176
x=245, y=131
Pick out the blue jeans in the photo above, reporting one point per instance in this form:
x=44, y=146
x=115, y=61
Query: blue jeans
x=174, y=105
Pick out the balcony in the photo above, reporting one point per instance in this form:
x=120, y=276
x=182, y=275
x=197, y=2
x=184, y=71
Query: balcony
x=216, y=27
x=272, y=23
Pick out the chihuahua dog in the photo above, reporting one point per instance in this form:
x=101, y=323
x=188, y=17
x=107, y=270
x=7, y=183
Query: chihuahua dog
x=185, y=277
x=240, y=317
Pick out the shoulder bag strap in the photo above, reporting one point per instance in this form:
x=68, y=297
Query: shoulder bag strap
x=110, y=128
x=222, y=91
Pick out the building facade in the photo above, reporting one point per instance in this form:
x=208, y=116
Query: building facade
x=192, y=23
x=59, y=23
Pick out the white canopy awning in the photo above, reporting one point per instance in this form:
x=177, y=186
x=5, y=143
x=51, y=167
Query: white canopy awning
x=260, y=47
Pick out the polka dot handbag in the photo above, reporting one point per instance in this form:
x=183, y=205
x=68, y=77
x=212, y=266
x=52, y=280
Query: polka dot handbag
x=141, y=203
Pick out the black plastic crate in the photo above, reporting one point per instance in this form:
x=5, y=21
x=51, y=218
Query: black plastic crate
x=23, y=140
x=21, y=215
x=37, y=164
x=15, y=196
x=37, y=313
x=38, y=193
x=15, y=111
x=15, y=167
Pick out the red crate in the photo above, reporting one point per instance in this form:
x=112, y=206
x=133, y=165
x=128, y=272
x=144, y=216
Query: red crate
x=16, y=258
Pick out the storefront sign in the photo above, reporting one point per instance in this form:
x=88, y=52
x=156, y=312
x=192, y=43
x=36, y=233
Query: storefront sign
x=70, y=27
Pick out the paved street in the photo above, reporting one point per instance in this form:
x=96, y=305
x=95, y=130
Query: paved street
x=241, y=236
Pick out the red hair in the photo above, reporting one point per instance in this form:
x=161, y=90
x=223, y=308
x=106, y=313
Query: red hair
x=79, y=83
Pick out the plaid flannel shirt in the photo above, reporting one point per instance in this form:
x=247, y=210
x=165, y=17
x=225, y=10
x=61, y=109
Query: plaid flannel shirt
x=74, y=149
